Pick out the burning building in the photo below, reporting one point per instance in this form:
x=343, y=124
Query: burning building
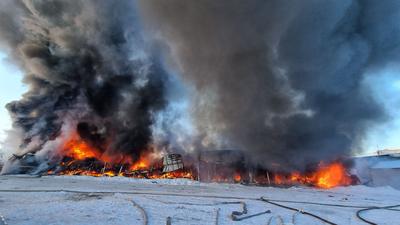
x=226, y=166
x=116, y=86
x=221, y=165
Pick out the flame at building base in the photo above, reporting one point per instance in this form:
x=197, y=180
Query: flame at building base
x=326, y=176
x=79, y=158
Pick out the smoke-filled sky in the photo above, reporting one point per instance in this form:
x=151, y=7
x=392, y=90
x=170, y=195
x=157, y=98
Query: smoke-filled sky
x=284, y=82
x=386, y=89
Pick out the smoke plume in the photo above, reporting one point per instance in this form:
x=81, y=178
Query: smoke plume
x=281, y=80
x=88, y=70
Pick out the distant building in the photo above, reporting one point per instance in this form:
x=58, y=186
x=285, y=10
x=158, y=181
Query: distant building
x=382, y=169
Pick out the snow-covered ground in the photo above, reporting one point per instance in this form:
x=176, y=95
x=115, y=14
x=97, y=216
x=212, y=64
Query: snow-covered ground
x=119, y=200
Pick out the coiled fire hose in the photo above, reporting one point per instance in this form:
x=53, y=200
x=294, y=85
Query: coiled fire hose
x=297, y=210
x=374, y=208
x=362, y=208
x=235, y=215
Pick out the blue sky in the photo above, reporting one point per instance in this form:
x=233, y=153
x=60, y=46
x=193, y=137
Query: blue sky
x=11, y=88
x=385, y=87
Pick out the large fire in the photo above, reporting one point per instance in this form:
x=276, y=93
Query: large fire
x=326, y=176
x=80, y=158
x=332, y=175
x=143, y=163
x=79, y=150
x=84, y=159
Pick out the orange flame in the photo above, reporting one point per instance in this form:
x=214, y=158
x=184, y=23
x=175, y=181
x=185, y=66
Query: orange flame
x=279, y=179
x=142, y=163
x=174, y=174
x=80, y=150
x=237, y=178
x=326, y=176
x=332, y=175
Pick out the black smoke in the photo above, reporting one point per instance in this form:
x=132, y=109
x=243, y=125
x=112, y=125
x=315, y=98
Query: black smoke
x=87, y=68
x=281, y=80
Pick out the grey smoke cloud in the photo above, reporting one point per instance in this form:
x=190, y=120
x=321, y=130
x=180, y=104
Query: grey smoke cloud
x=281, y=80
x=86, y=64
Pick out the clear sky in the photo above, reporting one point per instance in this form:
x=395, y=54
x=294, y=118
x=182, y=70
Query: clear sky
x=11, y=89
x=385, y=86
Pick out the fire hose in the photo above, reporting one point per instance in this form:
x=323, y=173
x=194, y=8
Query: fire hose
x=279, y=218
x=238, y=216
x=375, y=208
x=169, y=221
x=271, y=201
x=294, y=217
x=358, y=214
x=217, y=216
x=234, y=218
x=142, y=212
x=297, y=210
x=235, y=215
